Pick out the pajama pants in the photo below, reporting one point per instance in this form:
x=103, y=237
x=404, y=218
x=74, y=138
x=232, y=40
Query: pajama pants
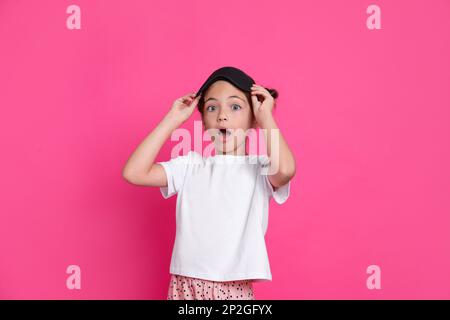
x=187, y=288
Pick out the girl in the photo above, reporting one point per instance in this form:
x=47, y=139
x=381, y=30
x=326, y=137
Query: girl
x=222, y=200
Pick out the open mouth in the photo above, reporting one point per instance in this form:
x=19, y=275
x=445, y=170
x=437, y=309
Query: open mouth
x=224, y=132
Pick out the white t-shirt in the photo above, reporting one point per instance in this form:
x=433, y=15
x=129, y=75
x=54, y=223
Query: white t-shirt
x=221, y=215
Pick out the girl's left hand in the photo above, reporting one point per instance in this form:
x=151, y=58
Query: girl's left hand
x=262, y=109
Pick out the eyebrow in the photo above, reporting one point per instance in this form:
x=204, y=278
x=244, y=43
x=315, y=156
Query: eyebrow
x=227, y=98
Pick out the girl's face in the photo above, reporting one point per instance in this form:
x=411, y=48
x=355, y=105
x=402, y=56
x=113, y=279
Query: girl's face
x=227, y=116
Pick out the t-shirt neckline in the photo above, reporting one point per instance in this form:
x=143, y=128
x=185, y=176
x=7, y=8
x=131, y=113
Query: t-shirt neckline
x=232, y=158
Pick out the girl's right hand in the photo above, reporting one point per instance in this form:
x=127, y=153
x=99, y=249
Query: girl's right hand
x=183, y=107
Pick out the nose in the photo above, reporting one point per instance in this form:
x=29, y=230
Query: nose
x=222, y=116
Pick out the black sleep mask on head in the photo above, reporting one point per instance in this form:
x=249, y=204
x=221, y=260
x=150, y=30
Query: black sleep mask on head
x=233, y=75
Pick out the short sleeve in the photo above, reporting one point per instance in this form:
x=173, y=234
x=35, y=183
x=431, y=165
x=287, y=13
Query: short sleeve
x=280, y=194
x=176, y=170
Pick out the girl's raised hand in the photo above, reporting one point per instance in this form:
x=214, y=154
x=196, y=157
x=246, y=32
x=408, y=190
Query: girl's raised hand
x=183, y=107
x=262, y=109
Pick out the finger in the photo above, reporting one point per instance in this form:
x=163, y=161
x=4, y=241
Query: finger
x=186, y=96
x=260, y=92
x=258, y=86
x=191, y=96
x=194, y=102
x=182, y=99
x=255, y=103
x=185, y=99
x=260, y=89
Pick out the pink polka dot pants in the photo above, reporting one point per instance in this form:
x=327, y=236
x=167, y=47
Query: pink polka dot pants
x=187, y=288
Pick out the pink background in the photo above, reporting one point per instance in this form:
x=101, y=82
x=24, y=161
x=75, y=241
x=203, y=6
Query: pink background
x=366, y=113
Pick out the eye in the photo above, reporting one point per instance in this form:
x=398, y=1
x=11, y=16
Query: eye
x=236, y=105
x=210, y=108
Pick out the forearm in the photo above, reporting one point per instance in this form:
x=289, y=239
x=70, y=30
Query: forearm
x=282, y=167
x=142, y=159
